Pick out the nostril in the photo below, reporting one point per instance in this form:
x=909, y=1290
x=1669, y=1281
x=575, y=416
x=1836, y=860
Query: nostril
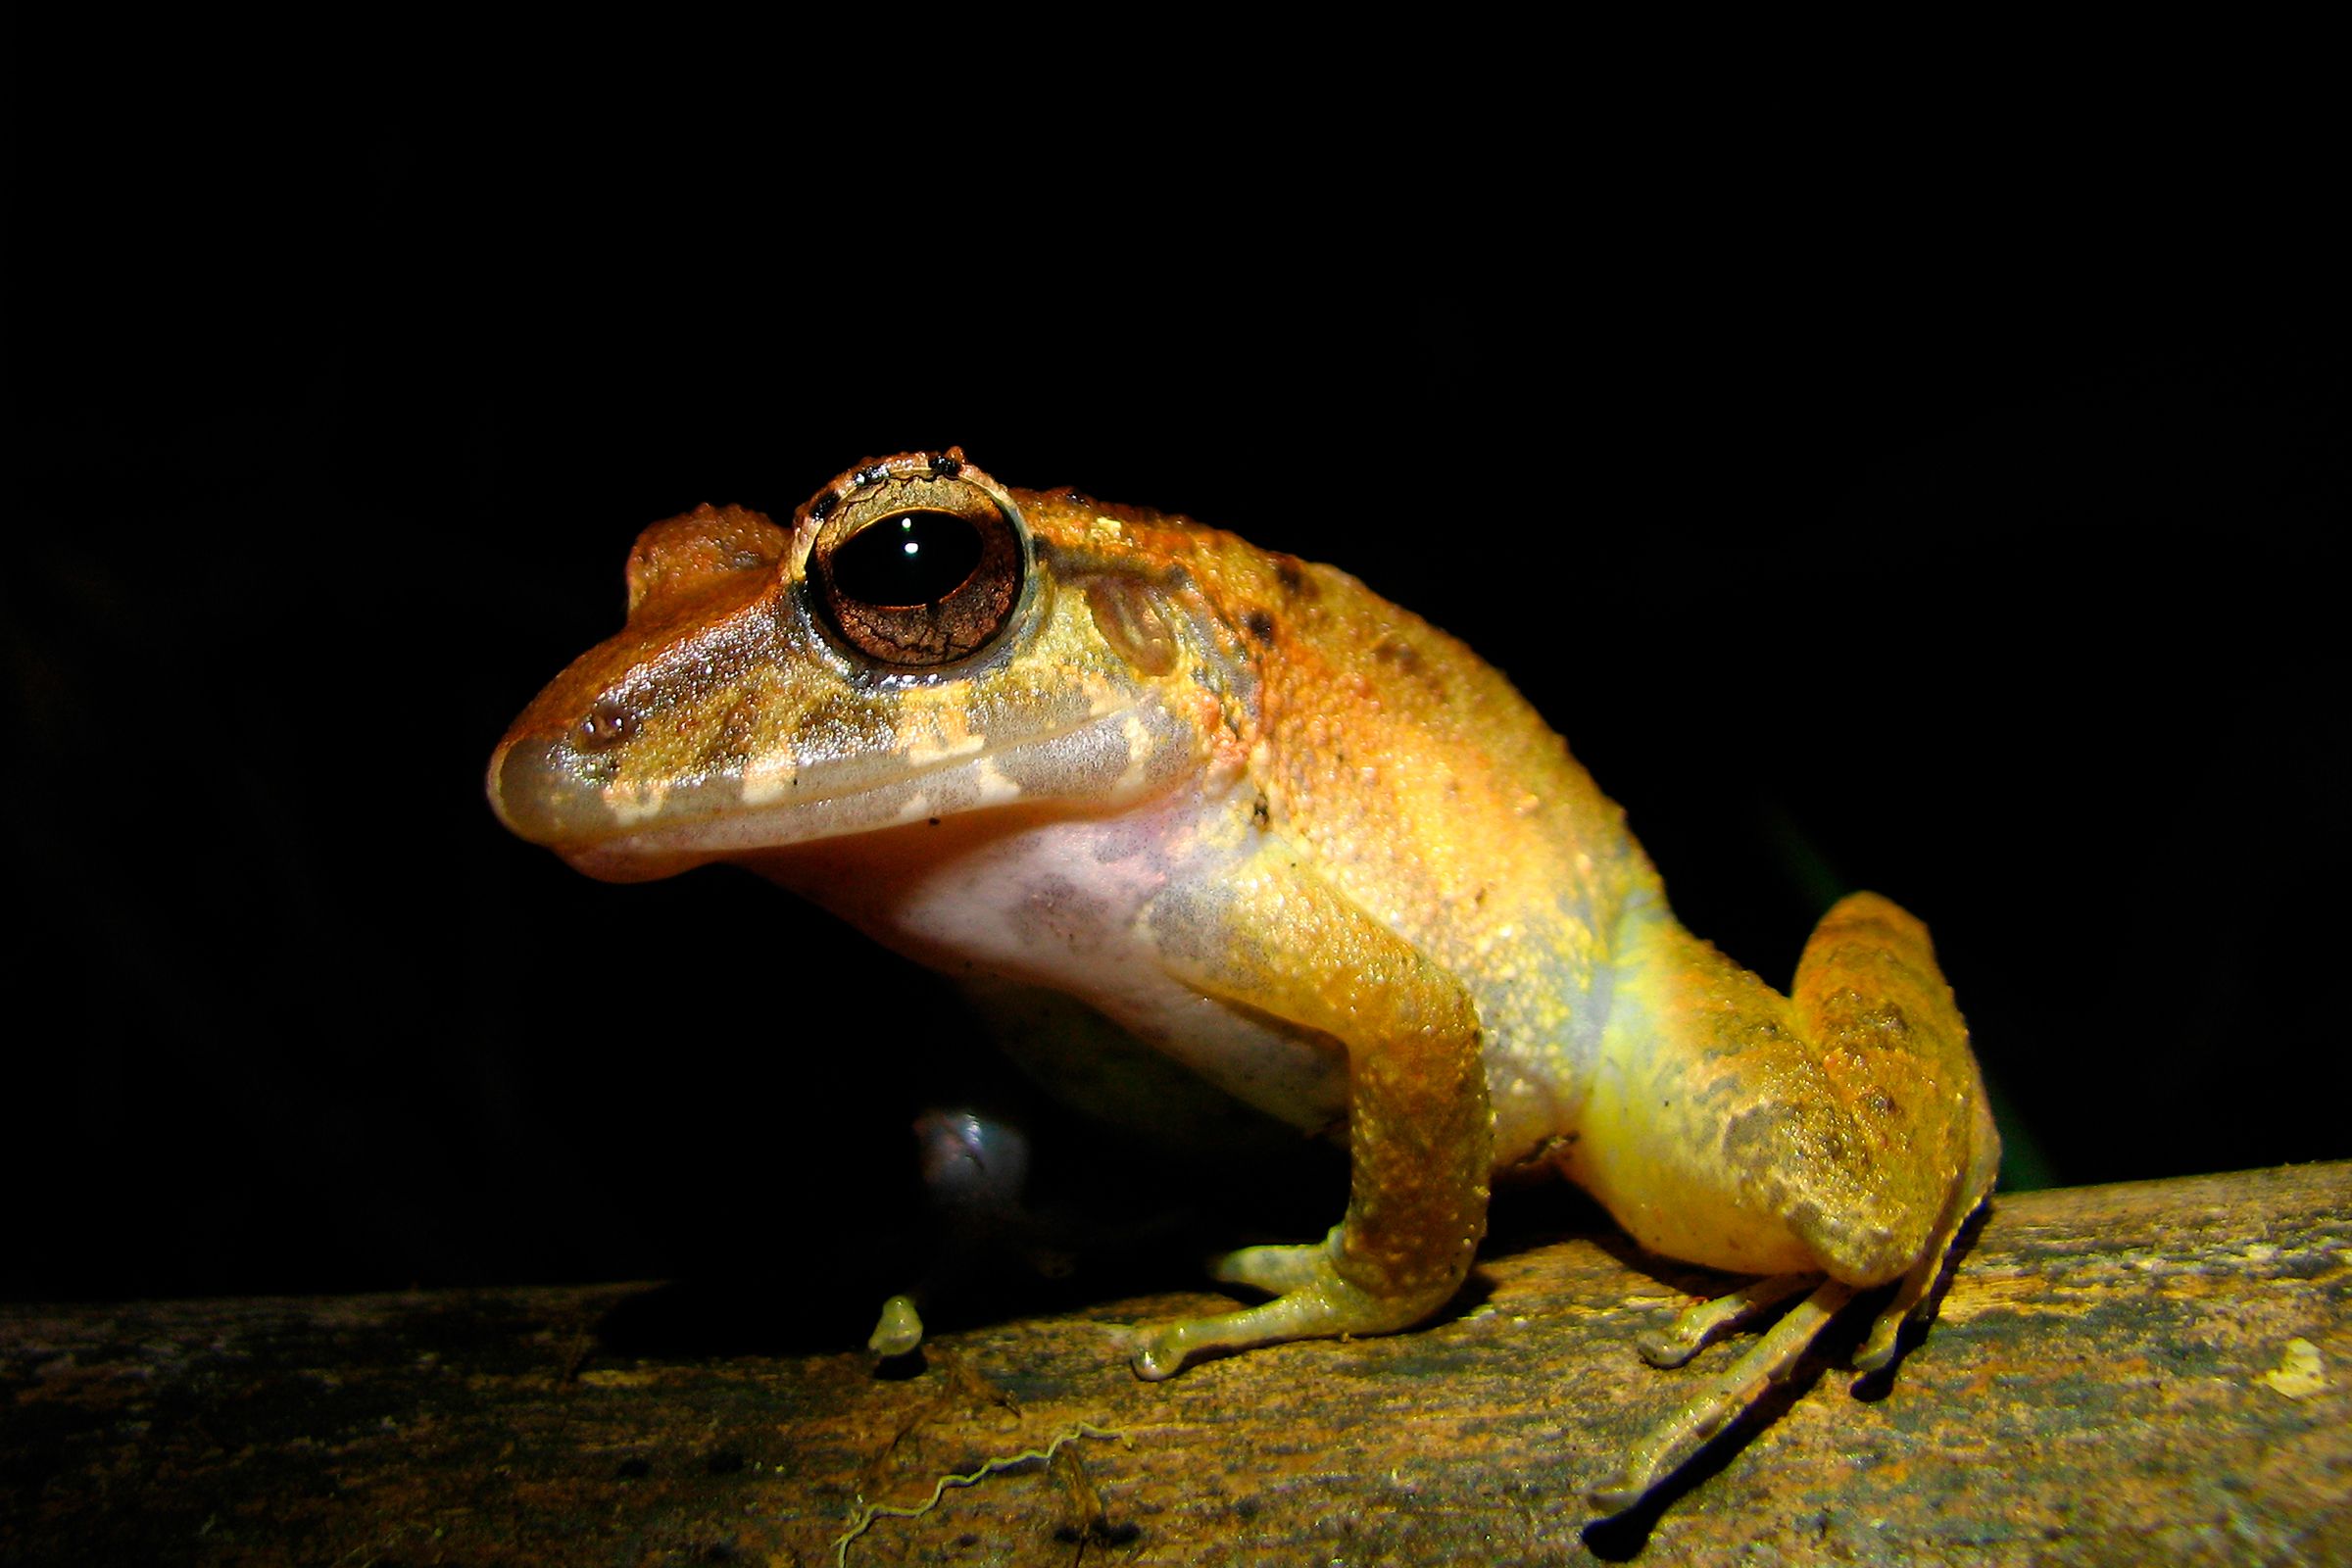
x=606, y=724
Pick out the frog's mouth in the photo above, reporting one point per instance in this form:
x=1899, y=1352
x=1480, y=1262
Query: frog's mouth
x=548, y=793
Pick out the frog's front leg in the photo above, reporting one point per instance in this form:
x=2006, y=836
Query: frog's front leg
x=1830, y=1140
x=1272, y=936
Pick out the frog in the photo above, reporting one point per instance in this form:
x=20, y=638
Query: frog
x=1247, y=817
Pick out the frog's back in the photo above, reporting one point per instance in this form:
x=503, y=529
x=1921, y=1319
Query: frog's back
x=1421, y=784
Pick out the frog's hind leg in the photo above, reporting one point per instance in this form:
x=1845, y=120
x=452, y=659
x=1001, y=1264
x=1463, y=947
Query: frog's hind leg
x=1894, y=1052
x=1869, y=994
x=1838, y=1132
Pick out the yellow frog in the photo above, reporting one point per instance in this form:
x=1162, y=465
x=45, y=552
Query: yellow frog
x=1302, y=843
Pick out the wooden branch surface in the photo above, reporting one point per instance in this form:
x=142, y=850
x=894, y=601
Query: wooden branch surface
x=2152, y=1373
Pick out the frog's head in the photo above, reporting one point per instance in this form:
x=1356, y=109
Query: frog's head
x=921, y=644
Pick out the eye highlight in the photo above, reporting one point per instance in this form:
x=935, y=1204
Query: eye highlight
x=917, y=570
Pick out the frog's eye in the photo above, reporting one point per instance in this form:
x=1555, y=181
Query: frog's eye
x=917, y=570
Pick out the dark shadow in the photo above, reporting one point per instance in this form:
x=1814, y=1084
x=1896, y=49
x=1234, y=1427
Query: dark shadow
x=715, y=1317
x=1099, y=1231
x=1539, y=1211
x=1688, y=1278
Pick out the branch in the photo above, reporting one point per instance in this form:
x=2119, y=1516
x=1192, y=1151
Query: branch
x=2144, y=1373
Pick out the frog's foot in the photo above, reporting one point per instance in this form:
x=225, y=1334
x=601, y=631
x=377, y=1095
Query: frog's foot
x=1697, y=1327
x=1667, y=1447
x=1671, y=1443
x=1312, y=1300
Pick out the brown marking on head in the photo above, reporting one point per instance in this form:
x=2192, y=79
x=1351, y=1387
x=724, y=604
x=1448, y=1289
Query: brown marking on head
x=1404, y=659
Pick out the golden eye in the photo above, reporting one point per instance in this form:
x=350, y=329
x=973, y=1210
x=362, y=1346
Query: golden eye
x=916, y=569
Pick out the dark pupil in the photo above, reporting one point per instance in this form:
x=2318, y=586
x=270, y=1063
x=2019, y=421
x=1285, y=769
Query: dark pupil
x=915, y=557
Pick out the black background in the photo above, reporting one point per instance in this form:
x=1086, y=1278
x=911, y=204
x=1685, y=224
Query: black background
x=1870, y=505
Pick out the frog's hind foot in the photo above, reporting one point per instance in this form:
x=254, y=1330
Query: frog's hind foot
x=1670, y=1445
x=1695, y=1328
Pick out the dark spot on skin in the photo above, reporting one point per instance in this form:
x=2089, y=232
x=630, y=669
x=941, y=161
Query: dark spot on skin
x=1290, y=572
x=1806, y=1219
x=874, y=473
x=1261, y=811
x=1773, y=1137
x=1258, y=624
x=1078, y=498
x=932, y=820
x=1406, y=659
x=944, y=466
x=1880, y=1103
x=822, y=507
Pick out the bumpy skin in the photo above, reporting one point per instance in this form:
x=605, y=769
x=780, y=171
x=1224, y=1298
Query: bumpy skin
x=1294, y=839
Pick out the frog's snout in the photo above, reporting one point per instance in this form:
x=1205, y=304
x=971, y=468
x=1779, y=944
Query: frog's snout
x=542, y=800
x=512, y=786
